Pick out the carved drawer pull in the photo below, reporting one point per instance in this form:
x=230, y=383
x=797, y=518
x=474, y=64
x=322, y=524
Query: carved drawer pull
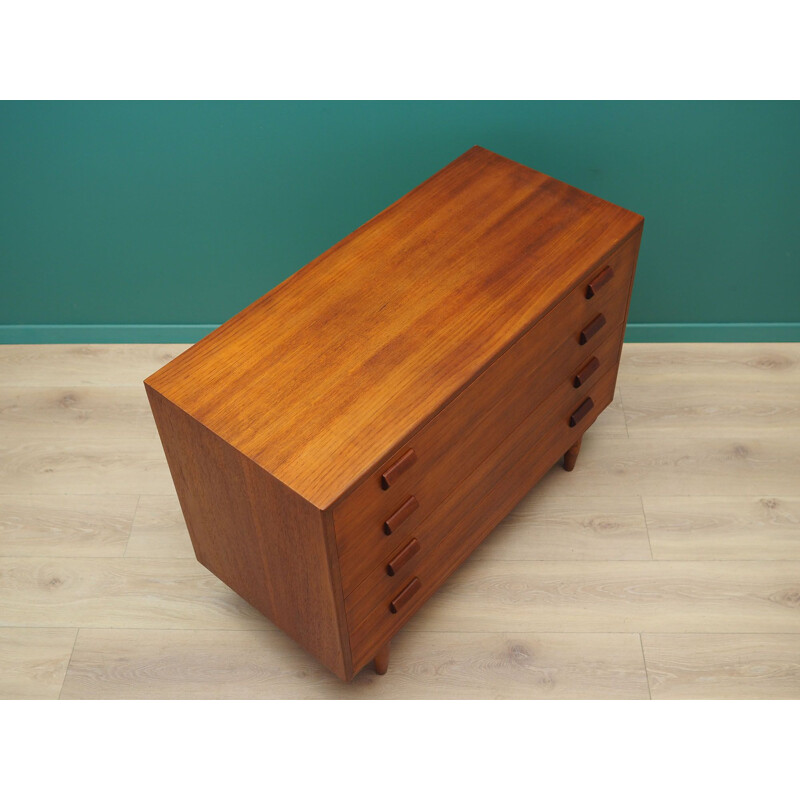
x=405, y=462
x=599, y=281
x=581, y=411
x=404, y=596
x=592, y=328
x=401, y=515
x=403, y=557
x=586, y=372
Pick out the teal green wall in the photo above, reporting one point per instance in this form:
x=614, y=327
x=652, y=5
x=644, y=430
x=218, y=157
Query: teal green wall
x=147, y=221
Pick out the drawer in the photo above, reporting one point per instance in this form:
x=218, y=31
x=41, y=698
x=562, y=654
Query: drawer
x=563, y=400
x=536, y=445
x=394, y=516
x=430, y=466
x=500, y=483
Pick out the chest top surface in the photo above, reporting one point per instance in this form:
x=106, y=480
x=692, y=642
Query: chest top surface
x=323, y=377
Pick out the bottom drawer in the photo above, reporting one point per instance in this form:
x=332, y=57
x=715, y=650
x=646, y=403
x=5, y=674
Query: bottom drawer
x=514, y=468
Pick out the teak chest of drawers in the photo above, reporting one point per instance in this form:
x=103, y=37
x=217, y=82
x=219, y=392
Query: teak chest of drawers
x=344, y=443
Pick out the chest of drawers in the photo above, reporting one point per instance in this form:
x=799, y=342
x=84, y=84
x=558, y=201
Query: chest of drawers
x=344, y=443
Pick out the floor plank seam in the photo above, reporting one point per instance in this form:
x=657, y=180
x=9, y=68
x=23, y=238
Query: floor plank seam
x=644, y=664
x=130, y=529
x=646, y=527
x=69, y=663
x=624, y=413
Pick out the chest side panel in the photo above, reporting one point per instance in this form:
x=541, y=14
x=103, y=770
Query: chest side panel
x=265, y=542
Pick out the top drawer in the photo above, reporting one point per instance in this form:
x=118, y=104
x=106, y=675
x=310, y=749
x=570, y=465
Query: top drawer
x=406, y=488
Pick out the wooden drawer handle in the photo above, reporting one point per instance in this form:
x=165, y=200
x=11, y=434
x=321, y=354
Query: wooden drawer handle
x=403, y=557
x=405, y=462
x=581, y=411
x=401, y=515
x=586, y=372
x=592, y=328
x=599, y=281
x=402, y=599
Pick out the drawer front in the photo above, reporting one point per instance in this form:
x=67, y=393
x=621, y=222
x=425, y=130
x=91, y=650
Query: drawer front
x=500, y=483
x=451, y=445
x=564, y=400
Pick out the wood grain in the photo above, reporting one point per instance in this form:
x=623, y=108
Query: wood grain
x=758, y=666
x=159, y=530
x=263, y=664
x=519, y=463
x=65, y=525
x=727, y=528
x=58, y=466
x=737, y=409
x=363, y=548
x=515, y=393
x=617, y=596
x=119, y=592
x=667, y=467
x=82, y=364
x=698, y=363
x=548, y=528
x=478, y=506
x=80, y=413
x=451, y=327
x=33, y=662
x=540, y=364
x=338, y=352
x=259, y=537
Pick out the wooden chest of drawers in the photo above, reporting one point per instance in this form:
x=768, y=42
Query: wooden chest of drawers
x=342, y=445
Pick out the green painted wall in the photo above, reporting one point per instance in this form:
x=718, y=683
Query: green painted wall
x=128, y=217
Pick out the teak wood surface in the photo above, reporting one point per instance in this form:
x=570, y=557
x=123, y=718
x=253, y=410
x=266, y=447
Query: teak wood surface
x=541, y=362
x=320, y=379
x=262, y=540
x=413, y=382
x=517, y=465
x=549, y=421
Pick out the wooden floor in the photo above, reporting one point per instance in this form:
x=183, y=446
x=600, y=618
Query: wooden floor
x=667, y=565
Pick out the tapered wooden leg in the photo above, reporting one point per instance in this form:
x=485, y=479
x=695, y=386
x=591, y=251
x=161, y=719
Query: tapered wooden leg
x=571, y=456
x=382, y=659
